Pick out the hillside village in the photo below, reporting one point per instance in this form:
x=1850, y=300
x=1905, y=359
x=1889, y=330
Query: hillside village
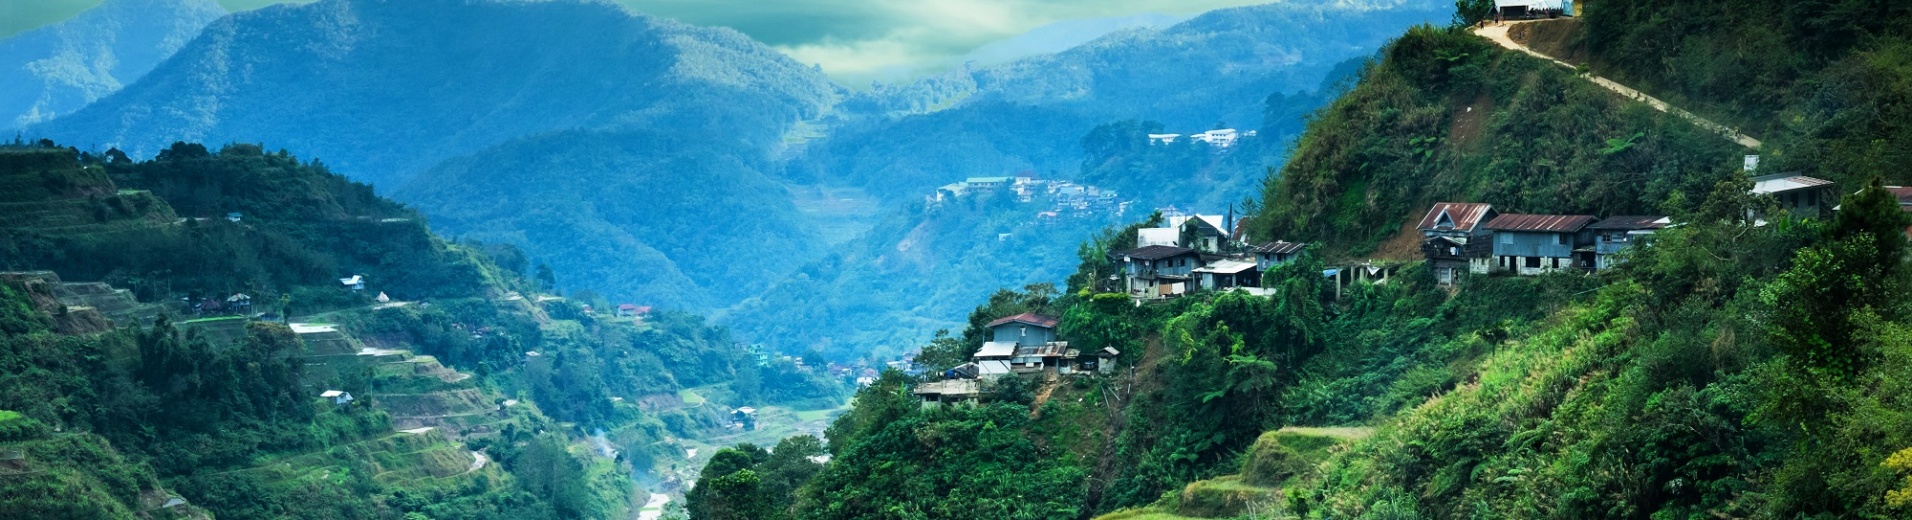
x=1197, y=253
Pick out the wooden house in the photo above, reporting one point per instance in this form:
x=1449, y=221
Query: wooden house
x=1615, y=234
x=1157, y=271
x=1026, y=329
x=1270, y=254
x=1455, y=240
x=1799, y=195
x=1533, y=244
x=1228, y=273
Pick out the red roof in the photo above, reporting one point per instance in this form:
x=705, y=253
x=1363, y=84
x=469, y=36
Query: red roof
x=1047, y=322
x=1541, y=223
x=627, y=307
x=1465, y=215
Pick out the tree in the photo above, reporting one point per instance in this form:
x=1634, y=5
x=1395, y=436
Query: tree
x=1470, y=12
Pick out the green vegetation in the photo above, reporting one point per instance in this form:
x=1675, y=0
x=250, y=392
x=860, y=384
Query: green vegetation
x=1736, y=367
x=223, y=411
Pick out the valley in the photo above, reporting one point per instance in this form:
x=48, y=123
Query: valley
x=490, y=259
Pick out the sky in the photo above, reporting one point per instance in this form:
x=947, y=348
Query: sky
x=854, y=40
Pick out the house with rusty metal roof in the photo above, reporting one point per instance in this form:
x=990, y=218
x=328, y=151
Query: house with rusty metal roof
x=1799, y=195
x=1613, y=235
x=1455, y=241
x=1530, y=245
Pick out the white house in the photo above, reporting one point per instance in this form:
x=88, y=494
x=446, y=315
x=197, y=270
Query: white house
x=1163, y=138
x=356, y=282
x=337, y=396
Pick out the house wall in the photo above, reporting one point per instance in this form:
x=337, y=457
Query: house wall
x=1527, y=244
x=1023, y=334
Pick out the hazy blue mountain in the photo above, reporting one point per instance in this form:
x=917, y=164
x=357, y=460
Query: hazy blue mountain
x=608, y=143
x=56, y=69
x=383, y=89
x=1216, y=68
x=1061, y=36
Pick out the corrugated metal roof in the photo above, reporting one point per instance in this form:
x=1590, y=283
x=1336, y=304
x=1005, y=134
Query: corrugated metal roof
x=1280, y=247
x=1226, y=267
x=1155, y=252
x=997, y=349
x=1784, y=182
x=1544, y=223
x=1465, y=215
x=1630, y=222
x=1047, y=322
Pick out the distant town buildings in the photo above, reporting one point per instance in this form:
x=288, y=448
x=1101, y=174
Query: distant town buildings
x=1221, y=138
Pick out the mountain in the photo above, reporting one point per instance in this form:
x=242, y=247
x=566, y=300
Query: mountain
x=1029, y=114
x=1061, y=36
x=405, y=85
x=1081, y=115
x=57, y=69
x=613, y=135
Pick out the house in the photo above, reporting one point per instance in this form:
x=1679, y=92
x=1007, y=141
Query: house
x=338, y=397
x=1616, y=234
x=1453, y=239
x=1157, y=237
x=986, y=183
x=239, y=302
x=1228, y=273
x=234, y=217
x=1105, y=360
x=993, y=359
x=1156, y=270
x=1219, y=138
x=1370, y=272
x=1534, y=244
x=1270, y=254
x=356, y=282
x=1521, y=9
x=1206, y=232
x=1026, y=329
x=949, y=391
x=627, y=310
x=745, y=418
x=1799, y=195
x=1163, y=138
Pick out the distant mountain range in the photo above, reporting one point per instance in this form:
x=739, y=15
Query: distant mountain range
x=657, y=162
x=55, y=70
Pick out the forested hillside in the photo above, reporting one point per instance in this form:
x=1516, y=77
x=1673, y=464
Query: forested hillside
x=1746, y=363
x=55, y=70
x=190, y=380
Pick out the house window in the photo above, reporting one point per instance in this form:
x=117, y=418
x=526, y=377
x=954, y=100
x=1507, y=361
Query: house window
x=1533, y=261
x=1560, y=240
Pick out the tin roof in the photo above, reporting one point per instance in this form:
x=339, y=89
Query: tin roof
x=1464, y=215
x=1784, y=182
x=1229, y=266
x=1047, y=322
x=1631, y=222
x=994, y=349
x=1155, y=252
x=1280, y=247
x=1541, y=223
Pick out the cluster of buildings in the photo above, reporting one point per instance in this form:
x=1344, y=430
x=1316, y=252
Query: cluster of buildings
x=1466, y=237
x=1020, y=345
x=1068, y=198
x=1197, y=251
x=1221, y=138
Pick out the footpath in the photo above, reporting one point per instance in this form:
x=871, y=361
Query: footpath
x=1498, y=34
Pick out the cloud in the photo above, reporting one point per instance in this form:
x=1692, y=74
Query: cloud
x=858, y=41
x=854, y=40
